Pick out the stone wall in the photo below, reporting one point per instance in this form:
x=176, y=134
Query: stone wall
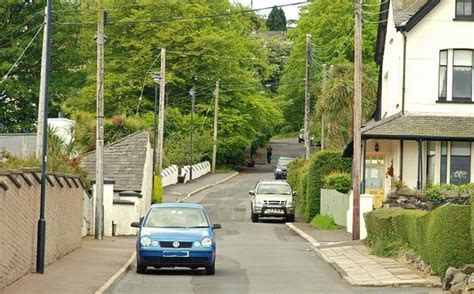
x=19, y=214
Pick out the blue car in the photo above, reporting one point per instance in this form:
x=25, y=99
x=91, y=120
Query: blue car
x=176, y=235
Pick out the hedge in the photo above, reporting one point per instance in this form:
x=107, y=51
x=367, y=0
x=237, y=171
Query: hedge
x=321, y=165
x=157, y=196
x=294, y=172
x=440, y=237
x=341, y=182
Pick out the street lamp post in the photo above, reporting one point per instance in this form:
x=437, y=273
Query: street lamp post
x=156, y=79
x=192, y=93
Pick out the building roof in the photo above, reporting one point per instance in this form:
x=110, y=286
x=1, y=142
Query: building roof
x=124, y=162
x=403, y=10
x=426, y=127
x=21, y=145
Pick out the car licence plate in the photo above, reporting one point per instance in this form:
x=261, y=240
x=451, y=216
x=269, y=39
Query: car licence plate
x=175, y=253
x=276, y=211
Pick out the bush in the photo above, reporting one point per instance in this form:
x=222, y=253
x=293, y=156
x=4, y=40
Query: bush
x=157, y=196
x=302, y=188
x=341, y=182
x=321, y=165
x=294, y=172
x=441, y=237
x=324, y=222
x=434, y=194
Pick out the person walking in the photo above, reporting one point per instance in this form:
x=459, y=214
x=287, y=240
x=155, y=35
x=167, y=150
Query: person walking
x=269, y=153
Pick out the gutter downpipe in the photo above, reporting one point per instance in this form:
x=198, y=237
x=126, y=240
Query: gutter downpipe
x=404, y=70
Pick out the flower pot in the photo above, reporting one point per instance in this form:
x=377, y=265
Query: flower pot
x=181, y=179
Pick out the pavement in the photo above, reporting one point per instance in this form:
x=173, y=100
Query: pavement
x=353, y=261
x=98, y=265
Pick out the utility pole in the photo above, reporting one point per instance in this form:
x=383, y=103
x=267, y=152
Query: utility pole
x=156, y=80
x=161, y=113
x=99, y=173
x=192, y=93
x=214, y=142
x=357, y=120
x=307, y=97
x=45, y=63
x=43, y=84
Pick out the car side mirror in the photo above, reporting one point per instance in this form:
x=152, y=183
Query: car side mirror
x=216, y=226
x=294, y=193
x=252, y=192
x=135, y=225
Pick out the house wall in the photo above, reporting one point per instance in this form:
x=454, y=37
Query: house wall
x=432, y=34
x=108, y=206
x=124, y=215
x=19, y=214
x=147, y=181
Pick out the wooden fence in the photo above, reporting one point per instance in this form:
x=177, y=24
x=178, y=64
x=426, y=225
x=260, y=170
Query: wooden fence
x=336, y=205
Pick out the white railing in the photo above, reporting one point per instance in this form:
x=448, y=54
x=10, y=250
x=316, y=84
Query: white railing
x=199, y=170
x=169, y=176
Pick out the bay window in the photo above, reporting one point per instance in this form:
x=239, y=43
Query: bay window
x=462, y=75
x=443, y=77
x=464, y=8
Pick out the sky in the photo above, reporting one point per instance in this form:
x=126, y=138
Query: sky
x=291, y=12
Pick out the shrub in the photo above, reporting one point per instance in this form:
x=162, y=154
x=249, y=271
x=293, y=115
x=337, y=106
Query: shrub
x=157, y=196
x=324, y=222
x=398, y=184
x=434, y=194
x=302, y=188
x=294, y=172
x=441, y=237
x=321, y=165
x=342, y=182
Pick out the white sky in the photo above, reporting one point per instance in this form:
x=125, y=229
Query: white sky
x=291, y=12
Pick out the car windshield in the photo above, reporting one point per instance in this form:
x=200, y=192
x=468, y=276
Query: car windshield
x=176, y=217
x=284, y=161
x=273, y=189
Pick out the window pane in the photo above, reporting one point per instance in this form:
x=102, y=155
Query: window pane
x=459, y=7
x=442, y=81
x=467, y=7
x=444, y=163
x=443, y=57
x=444, y=148
x=460, y=170
x=463, y=57
x=462, y=82
x=461, y=148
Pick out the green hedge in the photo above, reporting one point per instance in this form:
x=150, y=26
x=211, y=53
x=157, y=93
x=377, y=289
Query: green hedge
x=294, y=172
x=441, y=237
x=157, y=196
x=341, y=182
x=321, y=165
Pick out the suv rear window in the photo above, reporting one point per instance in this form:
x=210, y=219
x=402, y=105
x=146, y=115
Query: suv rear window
x=273, y=189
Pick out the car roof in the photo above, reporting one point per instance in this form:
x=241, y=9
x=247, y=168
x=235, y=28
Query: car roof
x=271, y=181
x=285, y=157
x=177, y=205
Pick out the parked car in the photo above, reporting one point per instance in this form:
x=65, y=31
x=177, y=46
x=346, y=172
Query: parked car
x=176, y=235
x=281, y=167
x=272, y=198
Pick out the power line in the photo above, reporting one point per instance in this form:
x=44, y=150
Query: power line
x=188, y=18
x=21, y=55
x=144, y=81
x=20, y=36
x=22, y=25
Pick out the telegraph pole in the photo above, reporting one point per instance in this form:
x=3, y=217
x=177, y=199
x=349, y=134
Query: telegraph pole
x=214, y=142
x=99, y=173
x=357, y=120
x=161, y=113
x=307, y=97
x=45, y=63
x=192, y=93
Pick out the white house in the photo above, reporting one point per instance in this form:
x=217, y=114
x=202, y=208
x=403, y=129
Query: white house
x=423, y=127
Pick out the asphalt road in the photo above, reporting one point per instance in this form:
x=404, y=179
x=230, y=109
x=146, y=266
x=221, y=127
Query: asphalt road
x=264, y=257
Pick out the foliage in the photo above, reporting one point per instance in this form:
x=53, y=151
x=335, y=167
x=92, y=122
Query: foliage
x=176, y=148
x=434, y=194
x=441, y=237
x=324, y=222
x=321, y=165
x=398, y=184
x=157, y=196
x=293, y=176
x=341, y=182
x=330, y=22
x=276, y=20
x=19, y=22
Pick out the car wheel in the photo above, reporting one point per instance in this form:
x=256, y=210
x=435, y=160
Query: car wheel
x=254, y=217
x=211, y=270
x=290, y=218
x=141, y=269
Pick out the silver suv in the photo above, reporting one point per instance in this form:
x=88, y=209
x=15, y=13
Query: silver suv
x=272, y=198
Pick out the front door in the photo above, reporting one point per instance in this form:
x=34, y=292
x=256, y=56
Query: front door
x=375, y=177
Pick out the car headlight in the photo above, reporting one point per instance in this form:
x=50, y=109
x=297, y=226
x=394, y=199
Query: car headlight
x=278, y=170
x=145, y=241
x=258, y=202
x=206, y=242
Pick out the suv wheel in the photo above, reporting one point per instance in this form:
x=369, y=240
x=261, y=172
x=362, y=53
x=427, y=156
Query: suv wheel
x=300, y=140
x=254, y=217
x=290, y=218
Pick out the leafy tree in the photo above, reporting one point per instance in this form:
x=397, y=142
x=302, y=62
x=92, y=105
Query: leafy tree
x=276, y=20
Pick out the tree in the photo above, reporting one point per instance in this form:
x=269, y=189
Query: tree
x=276, y=20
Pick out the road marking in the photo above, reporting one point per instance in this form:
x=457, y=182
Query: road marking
x=208, y=186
